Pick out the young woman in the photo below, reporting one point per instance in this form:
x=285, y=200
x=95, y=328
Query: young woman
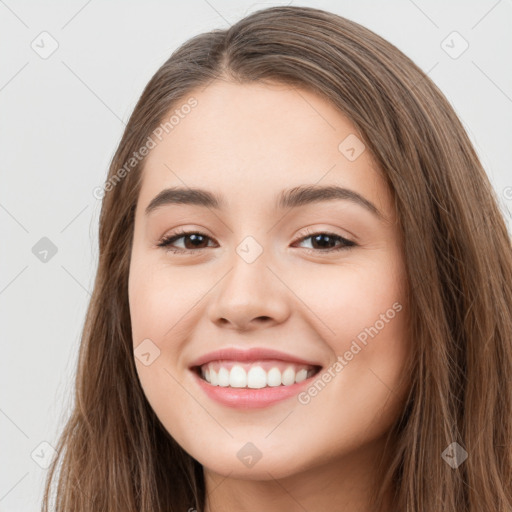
x=303, y=298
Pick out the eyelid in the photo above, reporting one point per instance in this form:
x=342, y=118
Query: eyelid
x=167, y=240
x=308, y=231
x=181, y=233
x=347, y=242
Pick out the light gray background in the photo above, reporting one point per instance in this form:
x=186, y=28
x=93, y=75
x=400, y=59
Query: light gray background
x=62, y=117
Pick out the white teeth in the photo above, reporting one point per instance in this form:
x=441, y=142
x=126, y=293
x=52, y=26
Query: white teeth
x=274, y=377
x=301, y=375
x=255, y=378
x=237, y=377
x=288, y=377
x=223, y=376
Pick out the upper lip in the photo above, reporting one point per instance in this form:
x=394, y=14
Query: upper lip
x=247, y=355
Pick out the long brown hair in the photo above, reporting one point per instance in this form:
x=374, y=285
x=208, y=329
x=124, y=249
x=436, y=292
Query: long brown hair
x=115, y=455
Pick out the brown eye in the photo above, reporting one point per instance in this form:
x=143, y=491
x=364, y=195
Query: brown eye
x=192, y=240
x=326, y=242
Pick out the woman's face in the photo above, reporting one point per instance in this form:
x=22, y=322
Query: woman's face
x=286, y=276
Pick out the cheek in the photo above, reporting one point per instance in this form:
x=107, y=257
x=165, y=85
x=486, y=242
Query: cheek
x=363, y=315
x=162, y=297
x=158, y=308
x=351, y=299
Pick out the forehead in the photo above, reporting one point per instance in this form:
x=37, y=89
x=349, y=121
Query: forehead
x=248, y=142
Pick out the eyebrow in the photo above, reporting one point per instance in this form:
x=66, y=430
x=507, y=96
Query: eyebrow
x=292, y=198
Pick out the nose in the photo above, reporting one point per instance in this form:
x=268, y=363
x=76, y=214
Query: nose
x=249, y=297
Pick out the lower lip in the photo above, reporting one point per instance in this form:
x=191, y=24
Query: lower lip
x=247, y=398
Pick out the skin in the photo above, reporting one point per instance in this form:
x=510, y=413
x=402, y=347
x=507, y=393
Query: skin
x=248, y=143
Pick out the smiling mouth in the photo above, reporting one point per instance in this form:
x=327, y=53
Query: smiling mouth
x=255, y=375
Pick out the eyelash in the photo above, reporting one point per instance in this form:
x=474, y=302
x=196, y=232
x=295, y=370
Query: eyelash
x=168, y=240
